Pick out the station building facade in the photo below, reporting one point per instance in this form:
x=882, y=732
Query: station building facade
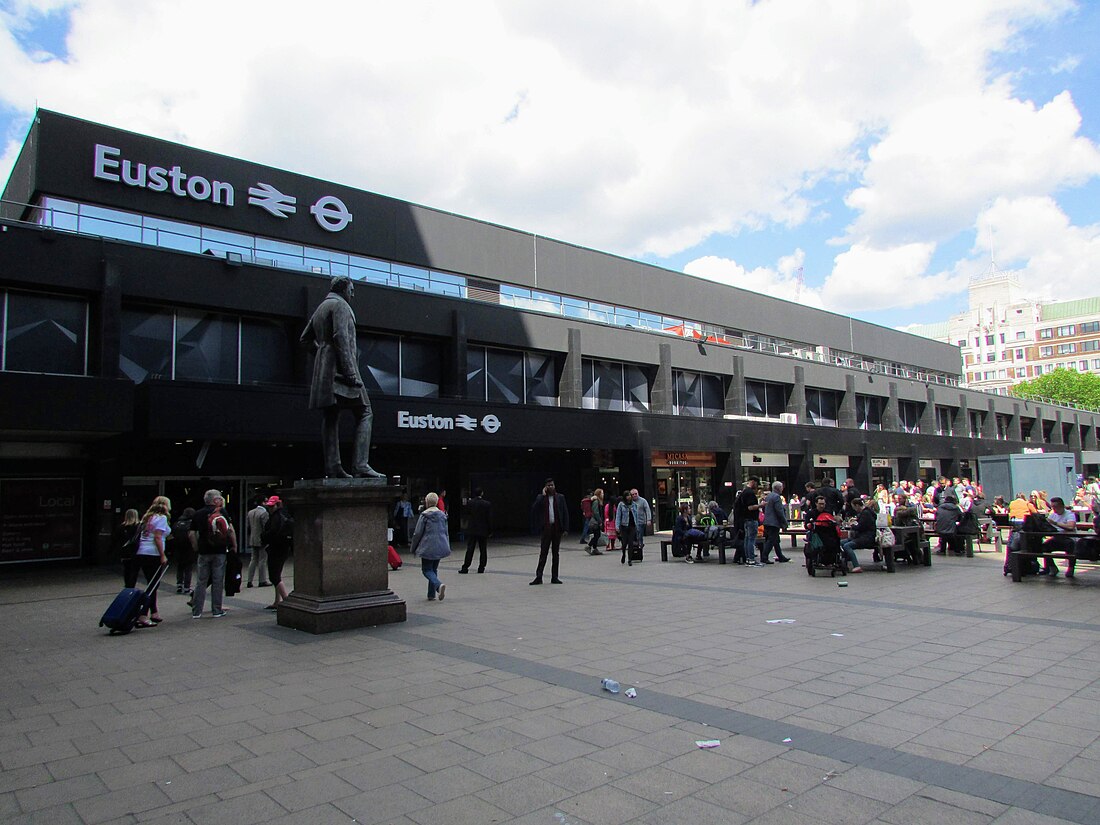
x=153, y=297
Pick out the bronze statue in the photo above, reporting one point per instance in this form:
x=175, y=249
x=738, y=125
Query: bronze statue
x=337, y=384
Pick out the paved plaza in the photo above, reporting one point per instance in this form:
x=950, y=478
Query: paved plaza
x=940, y=695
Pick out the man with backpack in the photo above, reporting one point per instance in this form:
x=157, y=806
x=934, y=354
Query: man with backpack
x=213, y=538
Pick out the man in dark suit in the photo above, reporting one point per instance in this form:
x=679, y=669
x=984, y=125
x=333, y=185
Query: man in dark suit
x=551, y=515
x=479, y=516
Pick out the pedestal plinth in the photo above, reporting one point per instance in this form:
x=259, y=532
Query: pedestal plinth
x=341, y=575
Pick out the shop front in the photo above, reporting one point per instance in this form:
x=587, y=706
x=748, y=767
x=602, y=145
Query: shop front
x=681, y=477
x=768, y=467
x=884, y=471
x=834, y=467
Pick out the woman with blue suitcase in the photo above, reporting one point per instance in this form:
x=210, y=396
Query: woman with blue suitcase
x=150, y=555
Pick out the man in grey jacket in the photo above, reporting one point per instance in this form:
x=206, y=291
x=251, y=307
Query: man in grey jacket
x=775, y=519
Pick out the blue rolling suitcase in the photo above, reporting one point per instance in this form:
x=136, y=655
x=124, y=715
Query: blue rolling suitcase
x=121, y=617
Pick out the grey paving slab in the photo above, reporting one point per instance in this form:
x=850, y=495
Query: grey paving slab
x=951, y=696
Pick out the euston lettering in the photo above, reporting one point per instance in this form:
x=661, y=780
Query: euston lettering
x=110, y=166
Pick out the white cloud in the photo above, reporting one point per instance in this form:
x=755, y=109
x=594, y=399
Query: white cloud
x=1033, y=237
x=942, y=161
x=640, y=127
x=782, y=281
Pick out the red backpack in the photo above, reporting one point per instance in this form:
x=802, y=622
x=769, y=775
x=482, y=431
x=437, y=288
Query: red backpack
x=218, y=535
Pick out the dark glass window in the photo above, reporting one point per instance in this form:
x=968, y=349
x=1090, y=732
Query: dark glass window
x=420, y=368
x=504, y=376
x=909, y=416
x=511, y=377
x=146, y=347
x=265, y=352
x=45, y=333
x=603, y=385
x=869, y=412
x=823, y=407
x=637, y=388
x=976, y=421
x=475, y=373
x=206, y=346
x=697, y=394
x=763, y=399
x=609, y=385
x=380, y=364
x=542, y=379
x=943, y=421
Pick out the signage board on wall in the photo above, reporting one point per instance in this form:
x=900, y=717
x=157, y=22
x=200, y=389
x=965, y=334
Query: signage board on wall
x=422, y=420
x=928, y=464
x=837, y=461
x=682, y=458
x=40, y=519
x=880, y=462
x=764, y=460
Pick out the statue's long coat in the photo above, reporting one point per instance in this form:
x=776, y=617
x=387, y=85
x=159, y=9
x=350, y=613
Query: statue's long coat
x=335, y=366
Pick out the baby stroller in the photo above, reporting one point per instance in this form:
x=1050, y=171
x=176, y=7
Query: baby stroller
x=823, y=551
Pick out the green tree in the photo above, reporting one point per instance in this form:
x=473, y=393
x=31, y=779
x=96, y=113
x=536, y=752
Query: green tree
x=1063, y=386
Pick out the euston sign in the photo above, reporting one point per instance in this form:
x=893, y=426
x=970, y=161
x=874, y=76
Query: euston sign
x=330, y=212
x=408, y=421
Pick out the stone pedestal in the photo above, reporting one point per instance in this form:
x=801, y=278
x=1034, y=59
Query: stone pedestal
x=341, y=575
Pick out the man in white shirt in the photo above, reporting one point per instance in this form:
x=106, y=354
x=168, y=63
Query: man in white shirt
x=1064, y=521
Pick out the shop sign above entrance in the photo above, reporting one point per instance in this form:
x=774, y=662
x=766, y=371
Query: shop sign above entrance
x=880, y=462
x=765, y=459
x=330, y=212
x=682, y=458
x=838, y=461
x=410, y=421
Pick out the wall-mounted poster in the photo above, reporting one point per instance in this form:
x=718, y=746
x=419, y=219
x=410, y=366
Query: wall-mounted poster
x=40, y=519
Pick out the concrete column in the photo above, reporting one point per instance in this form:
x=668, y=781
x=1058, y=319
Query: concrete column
x=571, y=388
x=909, y=465
x=733, y=468
x=796, y=405
x=645, y=453
x=890, y=418
x=662, y=395
x=453, y=380
x=1074, y=442
x=104, y=360
x=1036, y=433
x=989, y=426
x=1056, y=434
x=928, y=414
x=1014, y=430
x=736, y=396
x=960, y=424
x=848, y=404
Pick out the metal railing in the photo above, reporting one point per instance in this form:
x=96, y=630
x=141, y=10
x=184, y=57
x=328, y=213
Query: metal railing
x=86, y=219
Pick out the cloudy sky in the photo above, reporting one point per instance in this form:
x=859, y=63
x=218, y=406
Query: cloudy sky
x=886, y=150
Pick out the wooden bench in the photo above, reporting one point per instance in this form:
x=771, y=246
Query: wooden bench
x=1015, y=561
x=1016, y=557
x=911, y=542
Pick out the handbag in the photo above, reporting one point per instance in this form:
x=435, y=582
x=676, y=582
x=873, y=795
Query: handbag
x=885, y=537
